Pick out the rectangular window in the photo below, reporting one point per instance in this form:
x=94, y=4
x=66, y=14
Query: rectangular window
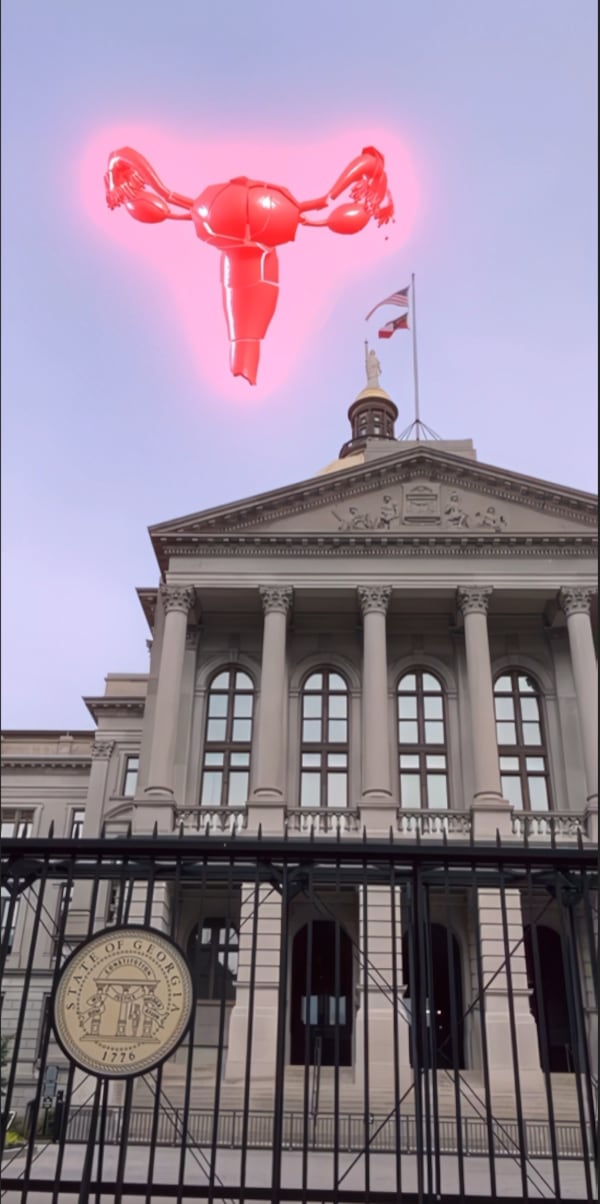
x=8, y=935
x=132, y=765
x=77, y=821
x=17, y=824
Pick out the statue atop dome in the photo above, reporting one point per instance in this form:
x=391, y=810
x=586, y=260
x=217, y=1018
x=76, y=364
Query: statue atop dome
x=373, y=368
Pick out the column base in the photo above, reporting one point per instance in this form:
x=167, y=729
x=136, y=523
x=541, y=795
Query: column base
x=268, y=813
x=158, y=792
x=156, y=810
x=377, y=813
x=491, y=815
x=591, y=820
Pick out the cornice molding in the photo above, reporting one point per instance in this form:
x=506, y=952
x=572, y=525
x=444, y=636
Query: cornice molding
x=340, y=545
x=33, y=762
x=116, y=707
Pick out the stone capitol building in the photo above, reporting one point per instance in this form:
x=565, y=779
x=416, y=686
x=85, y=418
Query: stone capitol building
x=400, y=648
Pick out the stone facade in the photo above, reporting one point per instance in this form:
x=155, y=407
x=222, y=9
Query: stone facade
x=416, y=561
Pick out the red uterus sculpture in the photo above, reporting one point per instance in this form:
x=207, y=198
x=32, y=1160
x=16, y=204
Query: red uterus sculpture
x=246, y=220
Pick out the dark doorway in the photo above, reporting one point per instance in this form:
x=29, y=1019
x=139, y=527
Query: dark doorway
x=549, y=999
x=321, y=1015
x=434, y=1032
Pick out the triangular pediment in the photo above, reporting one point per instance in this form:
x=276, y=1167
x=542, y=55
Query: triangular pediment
x=427, y=491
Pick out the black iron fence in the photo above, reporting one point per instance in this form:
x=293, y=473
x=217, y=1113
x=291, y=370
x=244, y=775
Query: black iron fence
x=437, y=1001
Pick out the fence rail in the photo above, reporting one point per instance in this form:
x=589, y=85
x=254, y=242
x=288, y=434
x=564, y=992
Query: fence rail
x=416, y=968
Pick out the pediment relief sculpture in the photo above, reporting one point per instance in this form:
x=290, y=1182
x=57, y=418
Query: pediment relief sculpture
x=419, y=505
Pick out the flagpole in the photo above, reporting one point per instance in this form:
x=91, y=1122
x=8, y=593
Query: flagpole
x=415, y=360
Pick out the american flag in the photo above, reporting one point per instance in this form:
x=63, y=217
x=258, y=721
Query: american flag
x=398, y=298
x=388, y=330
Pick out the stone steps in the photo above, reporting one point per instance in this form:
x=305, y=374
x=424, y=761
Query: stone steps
x=381, y=1100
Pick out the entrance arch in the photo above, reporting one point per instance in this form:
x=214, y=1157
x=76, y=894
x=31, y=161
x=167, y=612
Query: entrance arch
x=549, y=999
x=314, y=1003
x=438, y=1029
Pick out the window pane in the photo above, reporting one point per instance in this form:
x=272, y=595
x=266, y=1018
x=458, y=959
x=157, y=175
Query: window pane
x=507, y=733
x=407, y=732
x=337, y=760
x=338, y=731
x=407, y=706
x=505, y=708
x=526, y=685
x=243, y=682
x=238, y=788
x=242, y=705
x=314, y=682
x=535, y=764
x=431, y=683
x=311, y=731
x=337, y=790
x=242, y=730
x=312, y=705
x=511, y=789
x=530, y=709
x=434, y=732
x=311, y=760
x=410, y=791
x=435, y=762
x=310, y=790
x=217, y=704
x=503, y=685
x=337, y=683
x=437, y=792
x=216, y=729
x=214, y=758
x=433, y=707
x=338, y=706
x=221, y=682
x=407, y=684
x=211, y=788
x=510, y=763
x=538, y=794
x=409, y=761
x=131, y=773
x=239, y=759
x=532, y=733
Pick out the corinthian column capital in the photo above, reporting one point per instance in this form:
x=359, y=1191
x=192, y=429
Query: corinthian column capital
x=374, y=598
x=276, y=598
x=474, y=599
x=102, y=750
x=575, y=600
x=178, y=597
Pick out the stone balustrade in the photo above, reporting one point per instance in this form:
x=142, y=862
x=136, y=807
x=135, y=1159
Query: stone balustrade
x=221, y=820
x=302, y=821
x=433, y=823
x=561, y=825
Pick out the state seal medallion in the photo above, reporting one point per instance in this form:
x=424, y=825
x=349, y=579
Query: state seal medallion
x=123, y=1002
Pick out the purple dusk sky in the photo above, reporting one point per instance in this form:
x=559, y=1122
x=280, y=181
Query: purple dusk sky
x=108, y=426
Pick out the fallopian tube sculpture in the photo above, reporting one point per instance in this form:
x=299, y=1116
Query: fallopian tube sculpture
x=246, y=220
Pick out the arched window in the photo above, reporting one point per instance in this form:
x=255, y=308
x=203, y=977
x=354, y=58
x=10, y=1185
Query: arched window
x=521, y=744
x=423, y=755
x=324, y=748
x=228, y=740
x=214, y=960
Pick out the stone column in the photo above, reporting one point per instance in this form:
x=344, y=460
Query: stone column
x=377, y=795
x=576, y=603
x=177, y=603
x=268, y=768
x=490, y=812
x=79, y=908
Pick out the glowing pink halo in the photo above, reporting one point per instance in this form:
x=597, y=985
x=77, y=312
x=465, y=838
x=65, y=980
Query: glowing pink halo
x=315, y=269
